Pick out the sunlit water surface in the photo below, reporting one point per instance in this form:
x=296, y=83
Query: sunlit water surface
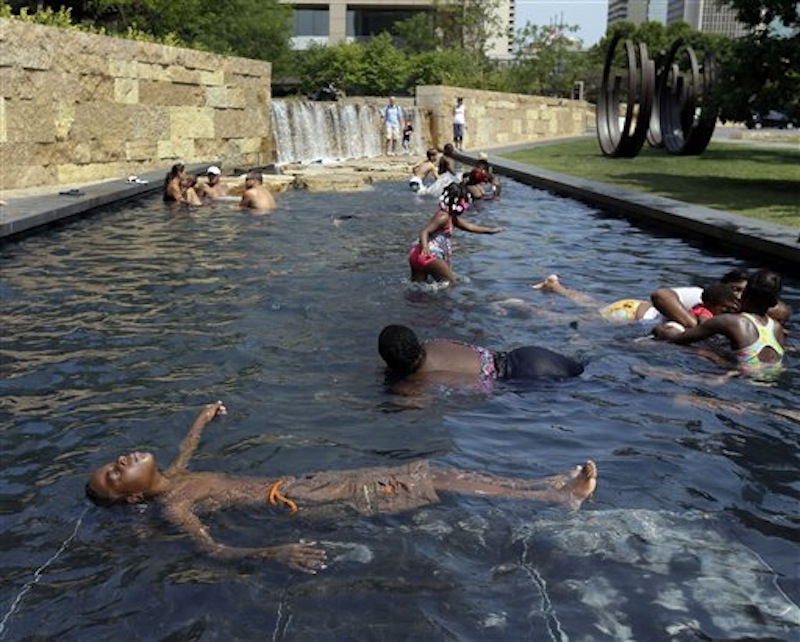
x=118, y=328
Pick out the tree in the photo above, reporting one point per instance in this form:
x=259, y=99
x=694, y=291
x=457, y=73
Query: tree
x=417, y=33
x=259, y=29
x=763, y=70
x=385, y=67
x=548, y=60
x=341, y=65
x=467, y=24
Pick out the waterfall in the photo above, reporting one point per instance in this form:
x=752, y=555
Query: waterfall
x=308, y=131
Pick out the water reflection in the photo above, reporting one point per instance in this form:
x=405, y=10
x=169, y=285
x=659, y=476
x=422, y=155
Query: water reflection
x=117, y=328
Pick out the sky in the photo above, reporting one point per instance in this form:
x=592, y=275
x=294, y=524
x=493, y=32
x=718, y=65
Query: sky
x=589, y=15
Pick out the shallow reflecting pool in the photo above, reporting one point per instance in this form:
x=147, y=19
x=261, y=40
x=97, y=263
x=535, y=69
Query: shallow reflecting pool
x=118, y=328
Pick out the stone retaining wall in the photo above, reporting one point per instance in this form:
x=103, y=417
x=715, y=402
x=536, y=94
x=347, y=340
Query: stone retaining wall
x=496, y=119
x=77, y=107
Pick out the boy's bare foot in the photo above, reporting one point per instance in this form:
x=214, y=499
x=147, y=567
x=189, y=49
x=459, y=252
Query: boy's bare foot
x=550, y=284
x=576, y=485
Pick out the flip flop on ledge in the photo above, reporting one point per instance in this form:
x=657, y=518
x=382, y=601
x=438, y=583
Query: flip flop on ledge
x=136, y=179
x=72, y=192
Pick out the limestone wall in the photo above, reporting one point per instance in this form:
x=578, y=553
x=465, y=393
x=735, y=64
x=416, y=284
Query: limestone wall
x=76, y=107
x=496, y=119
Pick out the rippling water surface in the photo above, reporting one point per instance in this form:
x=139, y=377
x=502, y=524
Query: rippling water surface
x=118, y=328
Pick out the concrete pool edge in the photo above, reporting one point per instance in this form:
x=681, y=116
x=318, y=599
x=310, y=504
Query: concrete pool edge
x=775, y=245
x=54, y=204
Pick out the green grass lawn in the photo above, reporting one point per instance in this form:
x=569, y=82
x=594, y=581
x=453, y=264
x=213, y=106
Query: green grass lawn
x=758, y=181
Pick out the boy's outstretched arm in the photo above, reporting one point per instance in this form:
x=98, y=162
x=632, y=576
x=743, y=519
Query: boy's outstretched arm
x=303, y=556
x=189, y=443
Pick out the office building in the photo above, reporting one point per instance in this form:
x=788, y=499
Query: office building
x=338, y=21
x=708, y=16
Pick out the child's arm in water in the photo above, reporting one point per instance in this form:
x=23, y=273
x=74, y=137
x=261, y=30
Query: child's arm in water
x=303, y=556
x=189, y=443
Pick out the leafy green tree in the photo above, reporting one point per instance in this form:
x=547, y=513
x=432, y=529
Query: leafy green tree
x=466, y=24
x=548, y=60
x=385, y=67
x=259, y=29
x=341, y=65
x=417, y=33
x=763, y=69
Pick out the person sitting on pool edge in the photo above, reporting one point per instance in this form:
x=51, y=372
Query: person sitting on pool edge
x=453, y=363
x=135, y=478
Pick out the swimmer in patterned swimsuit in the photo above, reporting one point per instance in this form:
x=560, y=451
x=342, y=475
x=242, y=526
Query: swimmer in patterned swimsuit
x=431, y=253
x=757, y=340
x=461, y=365
x=135, y=478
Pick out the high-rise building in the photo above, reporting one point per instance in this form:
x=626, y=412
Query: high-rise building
x=635, y=11
x=334, y=21
x=708, y=16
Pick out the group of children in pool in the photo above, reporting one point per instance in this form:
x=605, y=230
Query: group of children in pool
x=745, y=310
x=183, y=188
x=738, y=308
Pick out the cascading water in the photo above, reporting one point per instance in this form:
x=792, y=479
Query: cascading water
x=308, y=132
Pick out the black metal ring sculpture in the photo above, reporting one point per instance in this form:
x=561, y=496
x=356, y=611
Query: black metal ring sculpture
x=622, y=142
x=673, y=108
x=687, y=106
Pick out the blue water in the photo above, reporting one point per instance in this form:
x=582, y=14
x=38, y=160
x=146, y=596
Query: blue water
x=119, y=327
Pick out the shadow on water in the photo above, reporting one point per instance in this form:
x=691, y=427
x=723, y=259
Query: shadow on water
x=118, y=327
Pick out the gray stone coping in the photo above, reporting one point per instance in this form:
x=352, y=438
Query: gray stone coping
x=26, y=213
x=776, y=246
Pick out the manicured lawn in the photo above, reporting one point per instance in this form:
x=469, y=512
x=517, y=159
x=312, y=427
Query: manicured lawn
x=758, y=181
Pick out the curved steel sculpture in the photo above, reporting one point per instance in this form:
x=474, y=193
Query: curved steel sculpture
x=624, y=142
x=674, y=107
x=686, y=100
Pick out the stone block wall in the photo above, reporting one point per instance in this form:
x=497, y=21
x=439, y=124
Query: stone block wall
x=77, y=107
x=496, y=119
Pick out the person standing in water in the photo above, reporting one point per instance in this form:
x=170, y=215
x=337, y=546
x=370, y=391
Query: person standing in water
x=431, y=254
x=135, y=478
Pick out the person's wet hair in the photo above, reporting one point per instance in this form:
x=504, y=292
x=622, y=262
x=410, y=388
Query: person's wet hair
x=175, y=170
x=400, y=348
x=718, y=294
x=456, y=198
x=734, y=276
x=763, y=289
x=97, y=499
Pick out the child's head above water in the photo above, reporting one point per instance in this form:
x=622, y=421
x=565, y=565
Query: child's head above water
x=128, y=479
x=720, y=298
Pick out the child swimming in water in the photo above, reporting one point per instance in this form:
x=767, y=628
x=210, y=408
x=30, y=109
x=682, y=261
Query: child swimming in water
x=136, y=478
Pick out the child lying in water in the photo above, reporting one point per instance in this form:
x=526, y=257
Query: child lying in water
x=135, y=478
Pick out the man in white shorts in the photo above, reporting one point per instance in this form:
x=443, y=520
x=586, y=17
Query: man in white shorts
x=392, y=117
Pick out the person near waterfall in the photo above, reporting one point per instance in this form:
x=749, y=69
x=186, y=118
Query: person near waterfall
x=392, y=118
x=459, y=123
